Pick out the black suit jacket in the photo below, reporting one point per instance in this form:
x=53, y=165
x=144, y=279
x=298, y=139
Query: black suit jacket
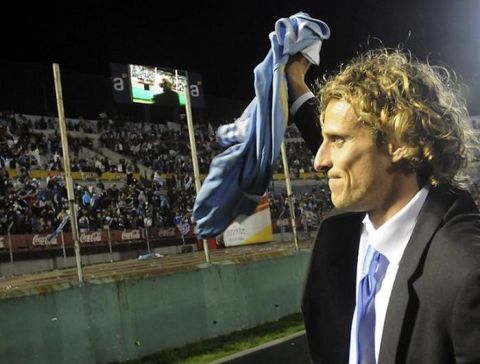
x=433, y=314
x=168, y=98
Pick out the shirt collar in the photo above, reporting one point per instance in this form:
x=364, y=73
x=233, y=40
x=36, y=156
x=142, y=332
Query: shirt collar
x=392, y=237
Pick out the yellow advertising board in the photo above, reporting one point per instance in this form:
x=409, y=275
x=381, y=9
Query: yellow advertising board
x=82, y=176
x=256, y=228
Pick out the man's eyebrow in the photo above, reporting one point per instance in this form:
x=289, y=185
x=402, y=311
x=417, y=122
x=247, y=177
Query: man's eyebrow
x=334, y=133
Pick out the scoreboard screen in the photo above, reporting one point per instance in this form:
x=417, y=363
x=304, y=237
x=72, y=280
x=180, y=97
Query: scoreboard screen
x=154, y=85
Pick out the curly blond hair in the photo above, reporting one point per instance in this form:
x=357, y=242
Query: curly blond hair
x=407, y=102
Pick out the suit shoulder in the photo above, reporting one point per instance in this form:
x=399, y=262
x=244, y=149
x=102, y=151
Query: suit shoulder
x=337, y=223
x=460, y=236
x=457, y=240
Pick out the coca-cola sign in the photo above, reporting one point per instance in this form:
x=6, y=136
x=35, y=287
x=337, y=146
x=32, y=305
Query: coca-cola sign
x=92, y=237
x=131, y=235
x=39, y=240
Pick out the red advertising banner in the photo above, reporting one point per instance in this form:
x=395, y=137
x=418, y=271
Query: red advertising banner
x=46, y=241
x=90, y=238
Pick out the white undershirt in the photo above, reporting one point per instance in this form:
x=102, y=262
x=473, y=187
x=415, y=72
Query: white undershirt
x=390, y=239
x=300, y=101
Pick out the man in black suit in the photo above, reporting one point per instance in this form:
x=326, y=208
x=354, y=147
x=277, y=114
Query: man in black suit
x=393, y=145
x=168, y=99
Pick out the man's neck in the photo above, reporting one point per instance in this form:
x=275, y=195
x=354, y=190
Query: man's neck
x=399, y=196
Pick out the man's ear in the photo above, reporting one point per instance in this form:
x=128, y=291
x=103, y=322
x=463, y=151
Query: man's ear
x=397, y=152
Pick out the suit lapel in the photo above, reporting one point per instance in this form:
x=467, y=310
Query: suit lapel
x=341, y=273
x=429, y=220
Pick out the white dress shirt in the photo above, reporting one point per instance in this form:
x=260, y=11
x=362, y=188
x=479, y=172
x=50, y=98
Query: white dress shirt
x=390, y=239
x=300, y=101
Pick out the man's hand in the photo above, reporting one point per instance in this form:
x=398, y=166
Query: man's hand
x=295, y=70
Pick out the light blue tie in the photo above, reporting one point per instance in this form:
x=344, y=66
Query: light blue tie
x=374, y=268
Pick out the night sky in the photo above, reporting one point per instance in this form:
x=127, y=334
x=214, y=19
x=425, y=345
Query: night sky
x=225, y=41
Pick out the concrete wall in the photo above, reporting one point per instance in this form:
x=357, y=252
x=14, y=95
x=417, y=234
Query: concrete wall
x=103, y=322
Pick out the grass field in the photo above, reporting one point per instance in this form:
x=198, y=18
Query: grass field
x=216, y=348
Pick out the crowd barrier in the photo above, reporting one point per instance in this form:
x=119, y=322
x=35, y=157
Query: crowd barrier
x=13, y=243
x=36, y=242
x=285, y=225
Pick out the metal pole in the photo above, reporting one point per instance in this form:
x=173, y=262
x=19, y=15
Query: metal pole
x=183, y=238
x=305, y=225
x=66, y=168
x=110, y=240
x=193, y=147
x=183, y=242
x=64, y=252
x=148, y=239
x=10, y=247
x=289, y=193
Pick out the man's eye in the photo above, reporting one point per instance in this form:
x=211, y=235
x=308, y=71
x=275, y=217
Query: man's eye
x=337, y=140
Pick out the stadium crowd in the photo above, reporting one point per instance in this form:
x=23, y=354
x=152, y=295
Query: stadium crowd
x=31, y=205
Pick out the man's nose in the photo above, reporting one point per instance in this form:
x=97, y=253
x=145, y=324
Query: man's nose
x=322, y=158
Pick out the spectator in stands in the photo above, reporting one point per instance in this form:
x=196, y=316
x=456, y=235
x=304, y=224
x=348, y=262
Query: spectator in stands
x=3, y=181
x=86, y=198
x=83, y=223
x=99, y=168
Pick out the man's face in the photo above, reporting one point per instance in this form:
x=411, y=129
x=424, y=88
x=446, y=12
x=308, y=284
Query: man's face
x=357, y=169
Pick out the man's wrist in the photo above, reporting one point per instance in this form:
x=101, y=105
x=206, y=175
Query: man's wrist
x=300, y=101
x=297, y=87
